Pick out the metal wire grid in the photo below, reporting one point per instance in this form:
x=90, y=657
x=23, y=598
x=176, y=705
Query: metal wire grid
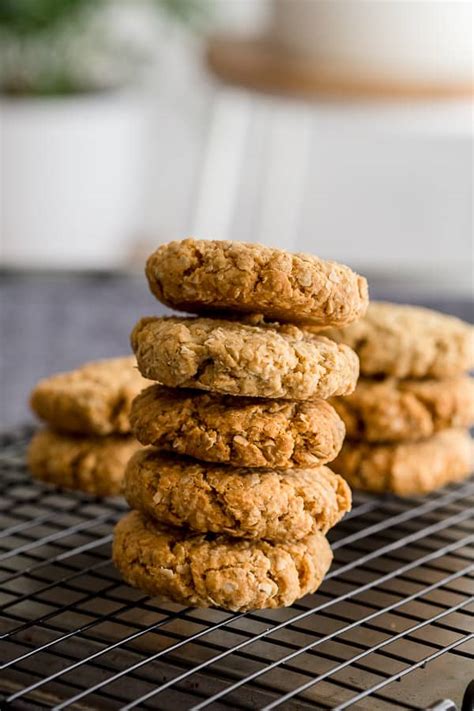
x=399, y=595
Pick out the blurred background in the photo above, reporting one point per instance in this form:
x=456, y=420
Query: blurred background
x=338, y=127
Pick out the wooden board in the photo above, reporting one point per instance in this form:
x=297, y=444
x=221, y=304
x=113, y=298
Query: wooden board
x=256, y=64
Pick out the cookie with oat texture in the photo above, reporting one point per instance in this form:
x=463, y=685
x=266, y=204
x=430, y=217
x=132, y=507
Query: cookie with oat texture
x=407, y=468
x=392, y=410
x=238, y=359
x=217, y=571
x=409, y=342
x=95, y=465
x=93, y=399
x=248, y=432
x=203, y=276
x=272, y=504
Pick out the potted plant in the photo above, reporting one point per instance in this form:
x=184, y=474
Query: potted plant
x=72, y=126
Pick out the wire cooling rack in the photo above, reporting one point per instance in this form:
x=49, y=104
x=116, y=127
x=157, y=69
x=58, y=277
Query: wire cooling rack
x=390, y=628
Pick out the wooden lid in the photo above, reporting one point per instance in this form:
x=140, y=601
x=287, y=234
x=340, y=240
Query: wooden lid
x=257, y=64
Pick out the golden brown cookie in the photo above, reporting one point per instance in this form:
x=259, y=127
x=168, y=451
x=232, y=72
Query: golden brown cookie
x=247, y=432
x=392, y=410
x=95, y=465
x=237, y=359
x=272, y=504
x=93, y=399
x=206, y=275
x=407, y=468
x=218, y=571
x=409, y=342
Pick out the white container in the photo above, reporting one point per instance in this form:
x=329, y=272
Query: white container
x=71, y=180
x=404, y=40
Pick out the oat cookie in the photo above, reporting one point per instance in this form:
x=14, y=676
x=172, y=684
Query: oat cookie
x=207, y=275
x=237, y=359
x=409, y=342
x=217, y=571
x=407, y=468
x=93, y=399
x=273, y=504
x=95, y=465
x=393, y=410
x=247, y=432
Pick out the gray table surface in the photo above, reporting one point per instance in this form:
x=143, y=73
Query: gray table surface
x=55, y=322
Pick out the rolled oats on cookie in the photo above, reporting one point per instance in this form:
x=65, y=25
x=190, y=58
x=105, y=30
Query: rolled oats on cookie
x=202, y=276
x=393, y=410
x=236, y=359
x=409, y=342
x=92, y=399
x=249, y=432
x=95, y=465
x=217, y=571
x=272, y=504
x=407, y=468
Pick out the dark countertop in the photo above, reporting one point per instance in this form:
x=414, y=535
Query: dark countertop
x=55, y=322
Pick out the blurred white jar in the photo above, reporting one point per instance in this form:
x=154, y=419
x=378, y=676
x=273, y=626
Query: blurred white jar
x=411, y=40
x=71, y=180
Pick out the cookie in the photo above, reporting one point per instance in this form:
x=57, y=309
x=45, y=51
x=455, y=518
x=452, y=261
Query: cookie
x=393, y=410
x=95, y=465
x=203, y=276
x=93, y=399
x=409, y=342
x=217, y=571
x=237, y=359
x=247, y=432
x=272, y=504
x=407, y=468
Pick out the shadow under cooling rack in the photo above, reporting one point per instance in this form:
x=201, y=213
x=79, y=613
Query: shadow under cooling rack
x=390, y=628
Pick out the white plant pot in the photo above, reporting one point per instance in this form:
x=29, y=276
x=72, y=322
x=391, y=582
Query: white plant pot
x=72, y=180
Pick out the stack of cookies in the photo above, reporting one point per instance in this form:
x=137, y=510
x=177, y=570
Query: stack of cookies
x=232, y=500
x=87, y=441
x=407, y=421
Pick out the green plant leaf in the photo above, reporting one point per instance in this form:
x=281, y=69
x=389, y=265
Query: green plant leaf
x=25, y=17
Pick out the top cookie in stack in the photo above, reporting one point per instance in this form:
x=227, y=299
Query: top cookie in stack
x=407, y=420
x=202, y=276
x=246, y=400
